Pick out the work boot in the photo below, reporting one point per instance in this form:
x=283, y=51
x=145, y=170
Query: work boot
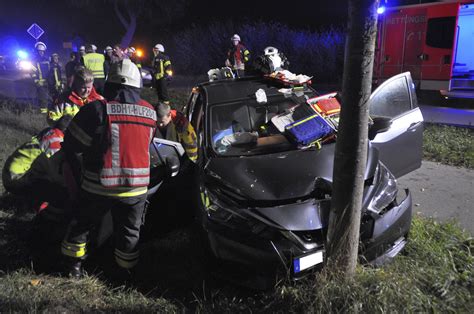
x=73, y=268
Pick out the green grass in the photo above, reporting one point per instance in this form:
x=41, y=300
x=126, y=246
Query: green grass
x=449, y=145
x=435, y=273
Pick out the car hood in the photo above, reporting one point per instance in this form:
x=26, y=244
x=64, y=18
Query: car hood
x=279, y=176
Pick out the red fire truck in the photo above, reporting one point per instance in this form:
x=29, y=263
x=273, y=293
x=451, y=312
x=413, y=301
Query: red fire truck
x=434, y=41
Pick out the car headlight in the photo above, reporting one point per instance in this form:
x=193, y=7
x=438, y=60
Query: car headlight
x=215, y=209
x=385, y=190
x=25, y=65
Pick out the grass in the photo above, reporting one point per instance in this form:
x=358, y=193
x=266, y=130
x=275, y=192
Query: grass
x=435, y=273
x=449, y=145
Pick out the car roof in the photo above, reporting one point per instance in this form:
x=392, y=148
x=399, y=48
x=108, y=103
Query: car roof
x=229, y=90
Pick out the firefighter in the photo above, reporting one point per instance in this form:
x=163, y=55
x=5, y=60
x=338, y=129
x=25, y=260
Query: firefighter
x=70, y=68
x=162, y=72
x=108, y=54
x=95, y=62
x=113, y=140
x=55, y=83
x=40, y=74
x=237, y=56
x=174, y=126
x=82, y=51
x=29, y=172
x=82, y=92
x=132, y=54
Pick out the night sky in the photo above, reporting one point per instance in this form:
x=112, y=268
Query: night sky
x=97, y=23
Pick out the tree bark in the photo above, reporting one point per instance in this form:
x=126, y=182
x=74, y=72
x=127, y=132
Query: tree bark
x=351, y=147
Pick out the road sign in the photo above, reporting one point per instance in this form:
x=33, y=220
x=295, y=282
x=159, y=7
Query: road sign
x=35, y=31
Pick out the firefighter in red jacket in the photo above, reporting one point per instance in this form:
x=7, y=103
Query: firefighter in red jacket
x=113, y=139
x=237, y=56
x=82, y=92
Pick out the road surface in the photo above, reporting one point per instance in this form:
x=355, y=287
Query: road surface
x=442, y=192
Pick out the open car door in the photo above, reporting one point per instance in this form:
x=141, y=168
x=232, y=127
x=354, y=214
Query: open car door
x=400, y=144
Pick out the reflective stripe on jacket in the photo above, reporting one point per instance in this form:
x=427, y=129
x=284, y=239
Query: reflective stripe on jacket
x=47, y=141
x=125, y=170
x=180, y=130
x=40, y=71
x=161, y=65
x=95, y=62
x=70, y=105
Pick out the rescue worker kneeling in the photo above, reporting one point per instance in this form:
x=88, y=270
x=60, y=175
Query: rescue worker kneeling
x=30, y=172
x=113, y=140
x=174, y=126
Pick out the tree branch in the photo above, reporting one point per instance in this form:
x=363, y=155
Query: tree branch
x=122, y=20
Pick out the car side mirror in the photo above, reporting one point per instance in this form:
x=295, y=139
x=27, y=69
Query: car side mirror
x=379, y=125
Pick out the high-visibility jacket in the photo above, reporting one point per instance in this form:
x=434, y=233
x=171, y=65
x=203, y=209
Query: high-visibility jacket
x=70, y=104
x=41, y=69
x=114, y=139
x=161, y=66
x=55, y=77
x=95, y=62
x=47, y=141
x=180, y=130
x=238, y=56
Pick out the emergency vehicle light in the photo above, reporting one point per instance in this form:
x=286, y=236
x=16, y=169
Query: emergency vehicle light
x=22, y=54
x=381, y=10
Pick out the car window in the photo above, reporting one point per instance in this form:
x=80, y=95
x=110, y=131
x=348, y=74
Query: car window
x=391, y=100
x=237, y=128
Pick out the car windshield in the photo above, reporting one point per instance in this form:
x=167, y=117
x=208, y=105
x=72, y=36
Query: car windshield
x=244, y=127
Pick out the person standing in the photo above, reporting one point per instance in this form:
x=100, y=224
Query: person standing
x=70, y=68
x=162, y=72
x=113, y=139
x=82, y=92
x=55, y=83
x=40, y=75
x=237, y=56
x=108, y=54
x=95, y=62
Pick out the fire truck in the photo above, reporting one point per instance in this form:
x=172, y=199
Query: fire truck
x=434, y=41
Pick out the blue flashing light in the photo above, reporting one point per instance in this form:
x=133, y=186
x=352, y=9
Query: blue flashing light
x=381, y=10
x=22, y=54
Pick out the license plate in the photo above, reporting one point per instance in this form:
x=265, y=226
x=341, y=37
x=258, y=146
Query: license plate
x=308, y=261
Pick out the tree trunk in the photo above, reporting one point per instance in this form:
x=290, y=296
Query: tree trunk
x=128, y=36
x=351, y=147
x=130, y=26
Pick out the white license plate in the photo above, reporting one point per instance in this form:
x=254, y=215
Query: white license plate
x=305, y=262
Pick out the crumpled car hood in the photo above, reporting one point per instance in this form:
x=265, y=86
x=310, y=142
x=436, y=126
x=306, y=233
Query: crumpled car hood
x=279, y=176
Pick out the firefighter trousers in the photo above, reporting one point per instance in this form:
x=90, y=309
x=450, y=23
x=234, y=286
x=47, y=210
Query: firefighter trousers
x=127, y=216
x=161, y=86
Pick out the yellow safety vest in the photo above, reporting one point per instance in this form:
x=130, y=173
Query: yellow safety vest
x=95, y=62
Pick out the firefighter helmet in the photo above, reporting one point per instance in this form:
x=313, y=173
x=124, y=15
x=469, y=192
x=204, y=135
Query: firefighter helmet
x=82, y=48
x=41, y=46
x=108, y=48
x=131, y=49
x=235, y=37
x=159, y=47
x=125, y=72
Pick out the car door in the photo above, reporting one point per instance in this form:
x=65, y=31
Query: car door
x=400, y=146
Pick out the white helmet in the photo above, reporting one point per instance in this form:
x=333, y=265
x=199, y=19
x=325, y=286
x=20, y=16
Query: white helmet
x=131, y=49
x=41, y=46
x=235, y=37
x=108, y=48
x=125, y=72
x=82, y=48
x=159, y=47
x=94, y=48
